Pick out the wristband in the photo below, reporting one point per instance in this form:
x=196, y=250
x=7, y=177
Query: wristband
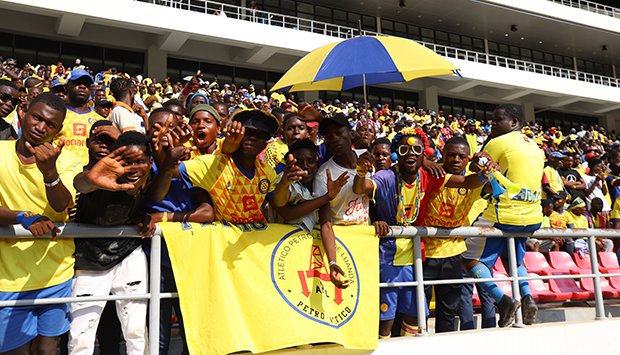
x=27, y=218
x=164, y=217
x=53, y=183
x=333, y=262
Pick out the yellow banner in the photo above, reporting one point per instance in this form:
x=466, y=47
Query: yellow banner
x=262, y=287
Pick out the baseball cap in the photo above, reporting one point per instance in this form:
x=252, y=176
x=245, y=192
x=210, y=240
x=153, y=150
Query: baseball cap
x=103, y=103
x=558, y=155
x=330, y=119
x=75, y=74
x=258, y=119
x=57, y=82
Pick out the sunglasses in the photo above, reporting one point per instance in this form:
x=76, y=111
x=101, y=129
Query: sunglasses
x=405, y=148
x=8, y=97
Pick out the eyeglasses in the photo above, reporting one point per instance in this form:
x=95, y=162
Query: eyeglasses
x=405, y=148
x=8, y=97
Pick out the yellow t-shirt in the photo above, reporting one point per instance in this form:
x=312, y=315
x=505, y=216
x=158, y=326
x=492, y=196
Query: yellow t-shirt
x=36, y=263
x=522, y=162
x=447, y=208
x=238, y=196
x=75, y=129
x=557, y=220
x=196, y=153
x=577, y=221
x=555, y=181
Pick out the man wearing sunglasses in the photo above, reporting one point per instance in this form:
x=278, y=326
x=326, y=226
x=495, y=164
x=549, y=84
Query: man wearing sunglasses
x=9, y=100
x=401, y=195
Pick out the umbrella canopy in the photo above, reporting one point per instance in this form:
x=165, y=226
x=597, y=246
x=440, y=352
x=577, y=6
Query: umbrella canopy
x=364, y=60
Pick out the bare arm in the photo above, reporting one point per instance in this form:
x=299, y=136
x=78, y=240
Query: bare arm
x=328, y=239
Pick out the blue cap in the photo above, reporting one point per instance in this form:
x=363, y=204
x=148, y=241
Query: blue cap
x=558, y=155
x=75, y=74
x=57, y=82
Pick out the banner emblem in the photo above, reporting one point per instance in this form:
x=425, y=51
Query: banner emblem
x=300, y=273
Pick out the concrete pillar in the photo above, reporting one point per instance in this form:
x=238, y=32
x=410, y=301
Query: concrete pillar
x=429, y=100
x=528, y=112
x=611, y=121
x=308, y=96
x=378, y=24
x=156, y=63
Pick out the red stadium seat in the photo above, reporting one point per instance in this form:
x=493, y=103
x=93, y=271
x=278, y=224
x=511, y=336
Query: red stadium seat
x=608, y=262
x=587, y=284
x=559, y=286
x=536, y=263
x=475, y=297
x=541, y=293
x=582, y=262
x=499, y=266
x=562, y=262
x=505, y=286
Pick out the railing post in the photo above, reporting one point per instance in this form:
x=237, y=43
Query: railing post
x=512, y=266
x=419, y=277
x=598, y=293
x=155, y=274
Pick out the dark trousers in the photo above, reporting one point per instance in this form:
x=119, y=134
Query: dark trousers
x=447, y=297
x=487, y=305
x=167, y=305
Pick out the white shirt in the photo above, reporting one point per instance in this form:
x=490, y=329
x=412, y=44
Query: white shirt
x=597, y=192
x=126, y=120
x=348, y=207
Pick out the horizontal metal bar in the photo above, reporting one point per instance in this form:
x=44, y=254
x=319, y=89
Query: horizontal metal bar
x=44, y=301
x=398, y=231
x=75, y=230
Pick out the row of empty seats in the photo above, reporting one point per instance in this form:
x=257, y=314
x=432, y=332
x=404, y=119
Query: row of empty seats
x=564, y=289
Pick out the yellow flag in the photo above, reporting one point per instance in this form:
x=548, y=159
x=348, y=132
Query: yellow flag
x=262, y=287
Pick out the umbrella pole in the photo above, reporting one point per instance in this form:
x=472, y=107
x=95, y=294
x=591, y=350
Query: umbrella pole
x=365, y=97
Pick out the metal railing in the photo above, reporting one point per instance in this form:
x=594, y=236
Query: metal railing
x=590, y=6
x=344, y=32
x=70, y=230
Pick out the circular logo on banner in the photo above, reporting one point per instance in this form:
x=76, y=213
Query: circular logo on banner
x=300, y=274
x=263, y=186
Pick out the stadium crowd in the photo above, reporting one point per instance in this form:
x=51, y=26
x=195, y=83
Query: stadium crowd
x=109, y=149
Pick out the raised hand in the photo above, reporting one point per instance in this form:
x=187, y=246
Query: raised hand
x=293, y=172
x=110, y=131
x=45, y=156
x=234, y=134
x=181, y=133
x=105, y=173
x=334, y=186
x=364, y=164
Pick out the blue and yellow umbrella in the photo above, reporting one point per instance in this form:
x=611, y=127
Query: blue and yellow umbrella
x=361, y=61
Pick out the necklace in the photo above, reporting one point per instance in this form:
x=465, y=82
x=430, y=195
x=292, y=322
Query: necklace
x=404, y=220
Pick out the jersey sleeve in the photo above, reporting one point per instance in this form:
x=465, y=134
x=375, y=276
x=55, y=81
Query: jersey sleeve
x=196, y=172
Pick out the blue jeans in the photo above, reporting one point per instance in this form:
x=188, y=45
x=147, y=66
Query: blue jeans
x=487, y=305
